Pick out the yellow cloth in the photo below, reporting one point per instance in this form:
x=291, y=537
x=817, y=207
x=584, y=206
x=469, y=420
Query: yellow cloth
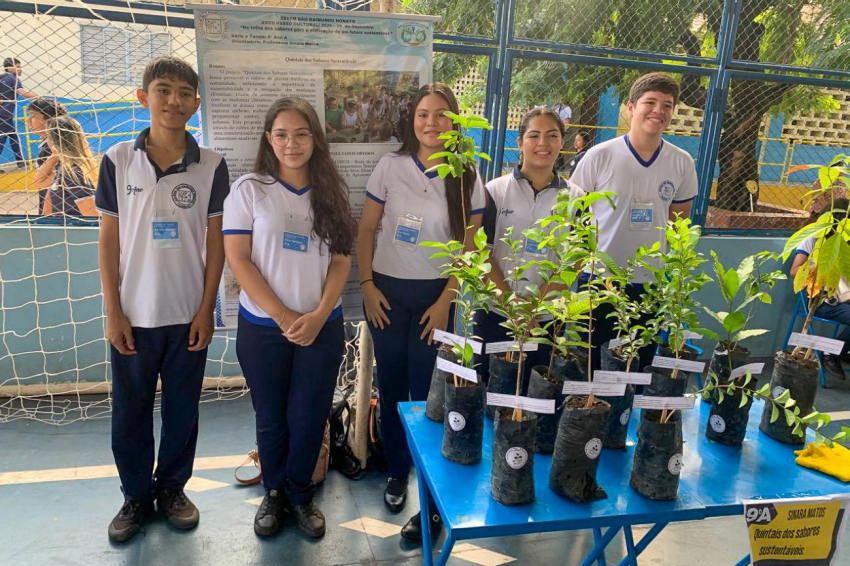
x=833, y=461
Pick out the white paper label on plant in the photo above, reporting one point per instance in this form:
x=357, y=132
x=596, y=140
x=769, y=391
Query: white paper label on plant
x=828, y=345
x=617, y=342
x=659, y=403
x=457, y=422
x=451, y=339
x=691, y=335
x=622, y=377
x=458, y=370
x=754, y=369
x=499, y=347
x=600, y=388
x=542, y=406
x=678, y=363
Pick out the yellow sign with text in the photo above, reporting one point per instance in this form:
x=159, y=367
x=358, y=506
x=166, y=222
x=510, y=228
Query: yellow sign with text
x=798, y=532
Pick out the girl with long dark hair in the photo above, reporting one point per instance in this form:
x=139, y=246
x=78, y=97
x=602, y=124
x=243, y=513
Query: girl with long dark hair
x=288, y=235
x=404, y=296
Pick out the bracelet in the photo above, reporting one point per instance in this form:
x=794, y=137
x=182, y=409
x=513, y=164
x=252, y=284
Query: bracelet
x=365, y=281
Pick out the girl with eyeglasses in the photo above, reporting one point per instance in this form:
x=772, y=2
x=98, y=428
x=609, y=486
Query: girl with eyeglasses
x=288, y=236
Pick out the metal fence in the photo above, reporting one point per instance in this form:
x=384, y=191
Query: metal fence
x=766, y=83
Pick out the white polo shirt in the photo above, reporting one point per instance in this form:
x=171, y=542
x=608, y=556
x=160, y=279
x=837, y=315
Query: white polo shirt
x=162, y=227
x=644, y=192
x=513, y=203
x=400, y=184
x=287, y=253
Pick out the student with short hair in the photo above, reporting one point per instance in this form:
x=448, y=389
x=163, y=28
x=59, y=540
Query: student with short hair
x=161, y=255
x=332, y=114
x=350, y=118
x=654, y=181
x=72, y=191
x=10, y=88
x=288, y=237
x=404, y=296
x=518, y=200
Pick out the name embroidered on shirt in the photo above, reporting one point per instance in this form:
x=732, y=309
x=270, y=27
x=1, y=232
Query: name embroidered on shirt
x=506, y=212
x=132, y=191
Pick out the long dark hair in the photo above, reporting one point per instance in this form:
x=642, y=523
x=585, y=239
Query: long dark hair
x=548, y=113
x=332, y=220
x=457, y=202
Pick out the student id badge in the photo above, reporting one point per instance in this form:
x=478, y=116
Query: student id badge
x=165, y=230
x=532, y=248
x=296, y=235
x=407, y=232
x=640, y=216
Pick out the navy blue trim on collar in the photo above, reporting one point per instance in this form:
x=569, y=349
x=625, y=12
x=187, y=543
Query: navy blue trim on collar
x=422, y=168
x=292, y=189
x=637, y=155
x=557, y=182
x=193, y=152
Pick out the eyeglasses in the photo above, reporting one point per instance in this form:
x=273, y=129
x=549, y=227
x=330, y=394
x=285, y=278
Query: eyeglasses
x=282, y=139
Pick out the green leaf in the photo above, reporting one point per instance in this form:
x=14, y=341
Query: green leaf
x=731, y=284
x=802, y=277
x=789, y=418
x=734, y=321
x=774, y=414
x=749, y=334
x=801, y=236
x=743, y=400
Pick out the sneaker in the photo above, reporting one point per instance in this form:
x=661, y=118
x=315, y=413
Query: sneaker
x=267, y=521
x=412, y=531
x=181, y=513
x=833, y=364
x=129, y=520
x=310, y=519
x=395, y=495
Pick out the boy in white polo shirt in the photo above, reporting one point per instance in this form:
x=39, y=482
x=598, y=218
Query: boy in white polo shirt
x=161, y=255
x=653, y=180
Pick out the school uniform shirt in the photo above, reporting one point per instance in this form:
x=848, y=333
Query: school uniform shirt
x=44, y=153
x=575, y=160
x=162, y=227
x=9, y=85
x=287, y=253
x=69, y=188
x=347, y=120
x=644, y=192
x=513, y=203
x=400, y=183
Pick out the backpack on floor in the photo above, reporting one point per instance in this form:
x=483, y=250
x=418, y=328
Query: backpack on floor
x=342, y=458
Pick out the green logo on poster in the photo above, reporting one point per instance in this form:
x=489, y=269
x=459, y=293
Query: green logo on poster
x=413, y=35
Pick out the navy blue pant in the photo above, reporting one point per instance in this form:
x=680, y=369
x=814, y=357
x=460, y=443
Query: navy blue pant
x=405, y=361
x=840, y=313
x=9, y=132
x=292, y=390
x=488, y=329
x=160, y=352
x=603, y=327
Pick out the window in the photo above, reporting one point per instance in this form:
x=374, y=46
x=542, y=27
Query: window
x=116, y=56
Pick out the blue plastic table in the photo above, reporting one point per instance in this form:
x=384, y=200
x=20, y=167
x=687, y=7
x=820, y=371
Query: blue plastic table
x=714, y=481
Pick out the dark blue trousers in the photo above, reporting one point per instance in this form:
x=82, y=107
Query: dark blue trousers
x=160, y=353
x=405, y=362
x=8, y=131
x=841, y=313
x=489, y=329
x=292, y=390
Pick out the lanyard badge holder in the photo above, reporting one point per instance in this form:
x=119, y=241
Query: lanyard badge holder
x=641, y=216
x=296, y=235
x=407, y=232
x=165, y=230
x=532, y=249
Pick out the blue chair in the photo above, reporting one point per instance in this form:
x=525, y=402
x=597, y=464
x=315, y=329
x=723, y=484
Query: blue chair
x=802, y=309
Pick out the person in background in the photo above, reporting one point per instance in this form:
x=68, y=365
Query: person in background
x=564, y=112
x=350, y=118
x=39, y=111
x=332, y=115
x=582, y=144
x=833, y=308
x=404, y=296
x=10, y=88
x=75, y=174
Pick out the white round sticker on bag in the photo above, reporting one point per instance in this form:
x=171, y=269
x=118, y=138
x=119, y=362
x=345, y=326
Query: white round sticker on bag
x=456, y=421
x=593, y=448
x=516, y=457
x=674, y=466
x=624, y=417
x=717, y=423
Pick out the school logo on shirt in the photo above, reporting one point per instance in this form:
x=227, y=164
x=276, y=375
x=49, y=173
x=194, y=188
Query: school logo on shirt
x=184, y=195
x=667, y=190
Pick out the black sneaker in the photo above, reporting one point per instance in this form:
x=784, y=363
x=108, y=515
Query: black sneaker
x=267, y=521
x=181, y=513
x=833, y=364
x=412, y=531
x=129, y=520
x=395, y=495
x=310, y=519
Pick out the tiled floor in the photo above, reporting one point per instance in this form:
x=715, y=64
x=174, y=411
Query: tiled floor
x=57, y=513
